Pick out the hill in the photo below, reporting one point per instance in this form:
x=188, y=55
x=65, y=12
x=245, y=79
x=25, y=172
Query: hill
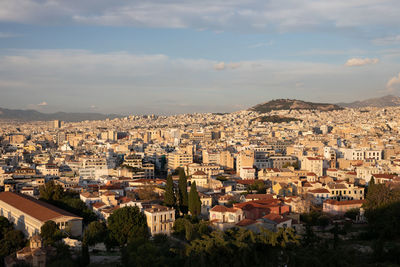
x=33, y=115
x=293, y=104
x=385, y=101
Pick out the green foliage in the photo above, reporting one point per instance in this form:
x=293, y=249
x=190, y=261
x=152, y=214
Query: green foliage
x=50, y=233
x=94, y=233
x=382, y=206
x=294, y=165
x=55, y=195
x=188, y=230
x=239, y=247
x=352, y=213
x=127, y=224
x=160, y=251
x=169, y=197
x=5, y=226
x=259, y=186
x=182, y=191
x=51, y=191
x=323, y=221
x=275, y=119
x=13, y=241
x=194, y=200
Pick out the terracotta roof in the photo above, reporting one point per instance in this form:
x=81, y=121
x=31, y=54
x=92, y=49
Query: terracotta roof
x=98, y=205
x=319, y=190
x=276, y=218
x=384, y=175
x=219, y=208
x=246, y=222
x=37, y=209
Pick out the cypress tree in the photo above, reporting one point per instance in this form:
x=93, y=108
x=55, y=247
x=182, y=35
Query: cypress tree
x=169, y=197
x=194, y=200
x=182, y=191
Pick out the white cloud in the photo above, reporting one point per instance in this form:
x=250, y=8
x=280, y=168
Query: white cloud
x=393, y=83
x=259, y=45
x=356, y=62
x=215, y=15
x=223, y=65
x=140, y=83
x=42, y=104
x=219, y=66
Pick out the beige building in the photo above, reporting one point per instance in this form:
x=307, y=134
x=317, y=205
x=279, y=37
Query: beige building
x=245, y=159
x=29, y=214
x=179, y=159
x=313, y=164
x=160, y=219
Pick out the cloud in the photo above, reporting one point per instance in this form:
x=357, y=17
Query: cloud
x=219, y=66
x=393, y=83
x=138, y=83
x=215, y=15
x=388, y=40
x=223, y=65
x=259, y=45
x=42, y=104
x=356, y=62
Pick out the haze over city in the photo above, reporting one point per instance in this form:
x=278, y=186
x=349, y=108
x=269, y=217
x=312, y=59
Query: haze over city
x=167, y=57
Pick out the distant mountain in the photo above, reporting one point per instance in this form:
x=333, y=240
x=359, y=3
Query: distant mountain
x=384, y=101
x=288, y=104
x=33, y=115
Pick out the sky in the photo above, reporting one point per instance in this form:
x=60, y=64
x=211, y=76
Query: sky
x=185, y=56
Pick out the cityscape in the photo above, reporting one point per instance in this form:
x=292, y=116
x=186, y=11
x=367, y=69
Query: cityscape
x=199, y=134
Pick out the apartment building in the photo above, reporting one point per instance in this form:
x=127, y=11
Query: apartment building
x=160, y=219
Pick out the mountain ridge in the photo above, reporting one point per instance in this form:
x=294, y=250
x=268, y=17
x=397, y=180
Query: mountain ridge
x=293, y=104
x=384, y=101
x=34, y=115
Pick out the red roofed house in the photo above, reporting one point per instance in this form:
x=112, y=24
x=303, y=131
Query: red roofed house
x=383, y=178
x=259, y=208
x=224, y=217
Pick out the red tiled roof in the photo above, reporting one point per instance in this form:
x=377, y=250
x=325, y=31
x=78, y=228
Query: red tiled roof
x=37, y=209
x=319, y=190
x=246, y=222
x=219, y=208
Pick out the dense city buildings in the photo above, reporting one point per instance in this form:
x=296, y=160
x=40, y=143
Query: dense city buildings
x=247, y=173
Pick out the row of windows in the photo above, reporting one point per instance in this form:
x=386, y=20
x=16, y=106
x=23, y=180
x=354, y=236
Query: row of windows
x=161, y=217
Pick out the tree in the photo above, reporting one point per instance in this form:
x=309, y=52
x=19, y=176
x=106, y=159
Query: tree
x=371, y=182
x=51, y=191
x=169, y=197
x=12, y=242
x=50, y=233
x=94, y=233
x=127, y=224
x=194, y=200
x=5, y=226
x=182, y=191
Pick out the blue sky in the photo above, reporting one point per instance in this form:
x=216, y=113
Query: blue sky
x=175, y=56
